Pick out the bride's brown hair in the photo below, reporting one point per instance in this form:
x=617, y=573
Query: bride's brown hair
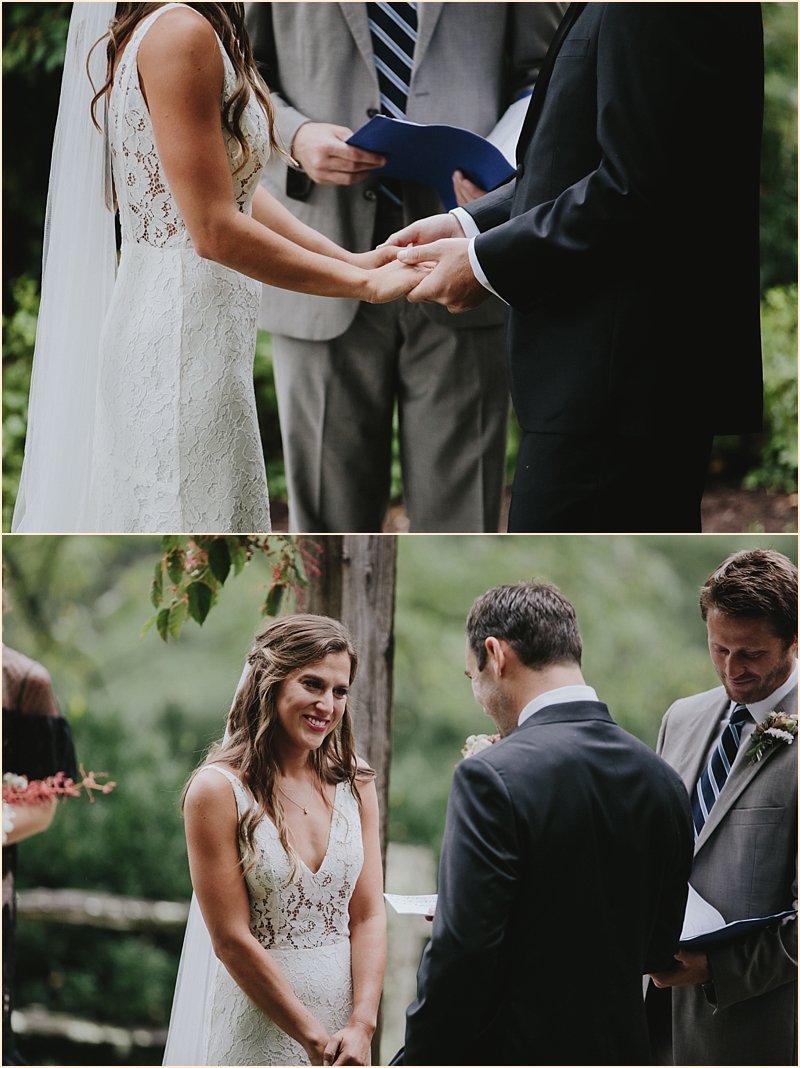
x=282, y=647
x=228, y=22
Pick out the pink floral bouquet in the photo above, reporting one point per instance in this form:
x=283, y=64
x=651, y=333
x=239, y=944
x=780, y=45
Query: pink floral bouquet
x=18, y=790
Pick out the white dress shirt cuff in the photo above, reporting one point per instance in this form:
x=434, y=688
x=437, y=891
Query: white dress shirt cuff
x=468, y=224
x=470, y=228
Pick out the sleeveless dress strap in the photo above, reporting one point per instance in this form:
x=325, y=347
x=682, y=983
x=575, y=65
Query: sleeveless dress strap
x=239, y=791
x=139, y=33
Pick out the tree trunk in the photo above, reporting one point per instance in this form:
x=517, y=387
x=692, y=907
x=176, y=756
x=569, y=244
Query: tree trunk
x=356, y=585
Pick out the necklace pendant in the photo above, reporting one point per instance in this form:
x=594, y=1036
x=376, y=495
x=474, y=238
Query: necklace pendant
x=305, y=811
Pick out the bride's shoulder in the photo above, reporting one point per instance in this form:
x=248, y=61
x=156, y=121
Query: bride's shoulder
x=210, y=786
x=180, y=33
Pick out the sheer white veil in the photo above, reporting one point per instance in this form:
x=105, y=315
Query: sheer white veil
x=78, y=271
x=187, y=1022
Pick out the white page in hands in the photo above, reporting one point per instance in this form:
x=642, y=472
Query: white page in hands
x=700, y=918
x=506, y=133
x=704, y=926
x=417, y=904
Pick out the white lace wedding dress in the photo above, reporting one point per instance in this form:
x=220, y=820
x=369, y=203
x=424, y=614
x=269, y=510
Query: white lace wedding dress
x=176, y=444
x=305, y=926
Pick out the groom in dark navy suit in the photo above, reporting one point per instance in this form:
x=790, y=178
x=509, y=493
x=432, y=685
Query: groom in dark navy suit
x=566, y=855
x=627, y=251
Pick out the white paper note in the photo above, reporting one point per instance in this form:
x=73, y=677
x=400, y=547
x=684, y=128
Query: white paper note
x=419, y=904
x=700, y=918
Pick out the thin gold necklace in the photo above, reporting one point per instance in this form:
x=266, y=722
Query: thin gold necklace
x=303, y=807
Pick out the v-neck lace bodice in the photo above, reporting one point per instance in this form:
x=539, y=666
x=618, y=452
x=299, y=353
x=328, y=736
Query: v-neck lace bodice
x=310, y=910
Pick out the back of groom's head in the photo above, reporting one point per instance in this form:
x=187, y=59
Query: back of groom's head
x=536, y=620
x=755, y=584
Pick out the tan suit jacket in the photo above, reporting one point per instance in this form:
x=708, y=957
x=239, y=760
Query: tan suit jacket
x=745, y=864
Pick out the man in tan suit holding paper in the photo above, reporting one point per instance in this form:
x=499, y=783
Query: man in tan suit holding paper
x=737, y=1003
x=340, y=366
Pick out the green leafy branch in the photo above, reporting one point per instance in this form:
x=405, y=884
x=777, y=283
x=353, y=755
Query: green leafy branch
x=193, y=569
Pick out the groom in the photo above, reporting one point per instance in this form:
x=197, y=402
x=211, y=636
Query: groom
x=565, y=860
x=627, y=250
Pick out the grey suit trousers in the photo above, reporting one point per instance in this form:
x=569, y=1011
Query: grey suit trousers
x=336, y=400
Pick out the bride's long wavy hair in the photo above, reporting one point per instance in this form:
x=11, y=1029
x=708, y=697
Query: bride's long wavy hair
x=228, y=22
x=283, y=646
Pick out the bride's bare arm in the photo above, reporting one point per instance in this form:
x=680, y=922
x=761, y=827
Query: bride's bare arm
x=211, y=836
x=181, y=72
x=367, y=942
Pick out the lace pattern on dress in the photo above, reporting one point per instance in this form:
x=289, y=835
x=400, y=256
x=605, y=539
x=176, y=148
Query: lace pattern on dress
x=148, y=212
x=312, y=909
x=176, y=438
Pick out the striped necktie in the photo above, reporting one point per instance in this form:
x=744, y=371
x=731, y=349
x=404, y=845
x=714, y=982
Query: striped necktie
x=394, y=35
x=718, y=768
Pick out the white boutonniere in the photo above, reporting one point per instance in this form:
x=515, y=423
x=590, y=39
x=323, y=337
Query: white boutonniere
x=476, y=743
x=777, y=727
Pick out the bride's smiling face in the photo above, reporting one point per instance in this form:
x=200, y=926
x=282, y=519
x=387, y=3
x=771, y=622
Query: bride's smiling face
x=311, y=700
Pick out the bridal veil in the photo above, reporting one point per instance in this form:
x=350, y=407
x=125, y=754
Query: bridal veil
x=78, y=271
x=187, y=1022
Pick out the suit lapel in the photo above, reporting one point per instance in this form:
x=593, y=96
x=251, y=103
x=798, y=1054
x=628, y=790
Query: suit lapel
x=355, y=16
x=742, y=774
x=428, y=17
x=535, y=106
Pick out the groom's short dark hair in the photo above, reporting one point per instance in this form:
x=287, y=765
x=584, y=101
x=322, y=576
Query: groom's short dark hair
x=536, y=620
x=755, y=584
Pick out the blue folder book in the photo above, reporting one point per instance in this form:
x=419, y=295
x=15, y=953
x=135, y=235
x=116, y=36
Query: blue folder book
x=430, y=154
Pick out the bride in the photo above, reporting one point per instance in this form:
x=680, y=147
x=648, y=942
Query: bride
x=282, y=831
x=142, y=413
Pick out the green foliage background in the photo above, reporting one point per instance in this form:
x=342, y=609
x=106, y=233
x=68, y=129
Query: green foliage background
x=34, y=37
x=144, y=711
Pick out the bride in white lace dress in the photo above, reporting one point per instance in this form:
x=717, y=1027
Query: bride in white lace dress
x=173, y=442
x=282, y=830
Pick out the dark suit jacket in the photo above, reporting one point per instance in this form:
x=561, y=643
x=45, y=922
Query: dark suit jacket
x=564, y=867
x=628, y=245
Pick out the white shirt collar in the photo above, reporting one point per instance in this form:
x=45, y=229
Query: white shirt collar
x=759, y=709
x=560, y=696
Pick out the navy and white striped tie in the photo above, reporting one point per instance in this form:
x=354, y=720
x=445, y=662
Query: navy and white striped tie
x=718, y=768
x=394, y=35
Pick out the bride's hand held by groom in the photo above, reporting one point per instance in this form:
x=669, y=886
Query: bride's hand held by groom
x=438, y=243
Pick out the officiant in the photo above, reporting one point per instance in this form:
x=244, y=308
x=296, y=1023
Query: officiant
x=340, y=366
x=732, y=746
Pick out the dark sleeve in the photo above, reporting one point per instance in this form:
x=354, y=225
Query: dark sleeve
x=493, y=208
x=659, y=110
x=37, y=746
x=458, y=990
x=674, y=889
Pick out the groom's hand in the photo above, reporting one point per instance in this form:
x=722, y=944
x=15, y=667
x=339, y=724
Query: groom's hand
x=451, y=280
x=689, y=968
x=423, y=231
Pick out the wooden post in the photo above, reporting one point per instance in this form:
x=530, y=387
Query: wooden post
x=356, y=585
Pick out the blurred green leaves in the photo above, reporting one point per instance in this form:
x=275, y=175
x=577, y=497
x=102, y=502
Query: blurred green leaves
x=193, y=569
